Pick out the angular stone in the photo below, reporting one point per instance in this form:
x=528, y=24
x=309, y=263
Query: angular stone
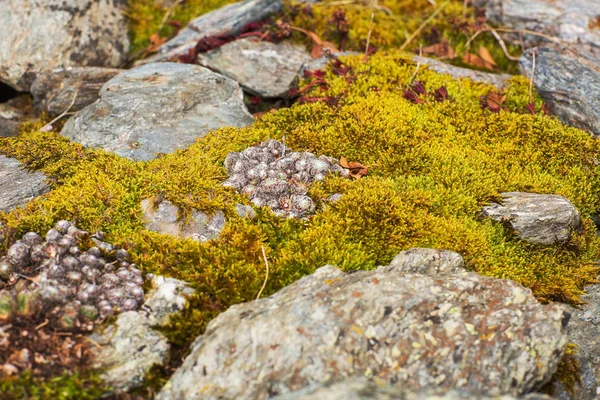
x=228, y=20
x=362, y=389
x=18, y=185
x=38, y=36
x=158, y=108
x=426, y=261
x=69, y=88
x=569, y=82
x=544, y=219
x=168, y=298
x=13, y=113
x=262, y=68
x=416, y=331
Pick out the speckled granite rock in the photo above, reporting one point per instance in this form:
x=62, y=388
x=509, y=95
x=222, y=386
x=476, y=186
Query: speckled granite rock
x=18, y=185
x=227, y=20
x=38, y=36
x=55, y=91
x=175, y=104
x=414, y=330
x=544, y=219
x=364, y=389
x=262, y=68
x=426, y=261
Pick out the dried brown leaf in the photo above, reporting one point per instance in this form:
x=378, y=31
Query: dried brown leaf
x=441, y=50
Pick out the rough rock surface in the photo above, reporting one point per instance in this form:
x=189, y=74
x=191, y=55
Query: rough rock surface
x=69, y=88
x=38, y=36
x=228, y=20
x=130, y=346
x=363, y=389
x=426, y=261
x=414, y=330
x=13, y=113
x=18, y=185
x=569, y=82
x=544, y=219
x=158, y=108
x=262, y=68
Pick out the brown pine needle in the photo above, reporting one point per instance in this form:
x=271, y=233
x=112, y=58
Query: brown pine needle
x=369, y=36
x=266, y=275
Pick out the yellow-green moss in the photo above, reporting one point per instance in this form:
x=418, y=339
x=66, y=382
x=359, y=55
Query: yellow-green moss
x=431, y=167
x=74, y=386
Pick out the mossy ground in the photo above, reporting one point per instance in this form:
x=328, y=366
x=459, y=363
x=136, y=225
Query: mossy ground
x=432, y=166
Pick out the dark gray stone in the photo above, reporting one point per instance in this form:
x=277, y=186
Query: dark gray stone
x=544, y=219
x=464, y=331
x=38, y=36
x=18, y=185
x=227, y=20
x=158, y=108
x=13, y=113
x=262, y=68
x=69, y=88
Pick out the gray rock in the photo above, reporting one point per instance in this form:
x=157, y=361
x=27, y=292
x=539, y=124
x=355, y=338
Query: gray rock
x=38, y=36
x=158, y=108
x=18, y=185
x=321, y=62
x=463, y=332
x=544, y=219
x=426, y=261
x=55, y=91
x=364, y=389
x=13, y=113
x=227, y=20
x=262, y=68
x=168, y=297
x=498, y=80
x=245, y=211
x=569, y=82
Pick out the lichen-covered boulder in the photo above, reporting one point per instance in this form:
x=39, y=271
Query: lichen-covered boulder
x=426, y=261
x=544, y=219
x=18, y=185
x=227, y=21
x=158, y=108
x=262, y=68
x=69, y=88
x=38, y=36
x=414, y=330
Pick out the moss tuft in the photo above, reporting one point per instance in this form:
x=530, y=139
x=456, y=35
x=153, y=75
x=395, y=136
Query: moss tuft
x=75, y=386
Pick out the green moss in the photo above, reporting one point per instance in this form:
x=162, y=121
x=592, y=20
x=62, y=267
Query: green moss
x=432, y=166
x=74, y=386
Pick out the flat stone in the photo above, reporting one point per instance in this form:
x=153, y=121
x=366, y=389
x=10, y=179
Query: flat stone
x=569, y=82
x=228, y=20
x=262, y=68
x=544, y=219
x=69, y=88
x=19, y=185
x=158, y=108
x=38, y=36
x=465, y=331
x=426, y=261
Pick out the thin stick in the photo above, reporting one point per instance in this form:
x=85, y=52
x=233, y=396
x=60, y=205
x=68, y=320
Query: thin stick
x=48, y=126
x=424, y=24
x=43, y=324
x=534, y=53
x=503, y=46
x=93, y=342
x=267, y=274
x=369, y=36
x=418, y=65
x=168, y=13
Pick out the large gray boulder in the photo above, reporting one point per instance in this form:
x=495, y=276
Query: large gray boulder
x=262, y=68
x=38, y=36
x=414, y=330
x=158, y=108
x=18, y=185
x=544, y=219
x=228, y=20
x=69, y=88
x=569, y=82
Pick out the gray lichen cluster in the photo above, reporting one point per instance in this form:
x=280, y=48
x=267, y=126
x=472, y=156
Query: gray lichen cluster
x=74, y=287
x=274, y=176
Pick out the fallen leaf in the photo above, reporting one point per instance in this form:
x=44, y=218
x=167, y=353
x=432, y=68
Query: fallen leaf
x=319, y=45
x=476, y=61
x=486, y=56
x=357, y=170
x=494, y=100
x=155, y=42
x=441, y=50
x=344, y=162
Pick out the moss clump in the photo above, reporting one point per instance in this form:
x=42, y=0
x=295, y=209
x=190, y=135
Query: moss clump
x=75, y=386
x=433, y=164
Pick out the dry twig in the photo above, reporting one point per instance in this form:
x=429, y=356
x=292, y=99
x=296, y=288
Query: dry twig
x=534, y=54
x=168, y=13
x=48, y=126
x=266, y=275
x=369, y=37
x=424, y=24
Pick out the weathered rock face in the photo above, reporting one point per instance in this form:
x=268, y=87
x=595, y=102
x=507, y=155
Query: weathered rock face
x=263, y=68
x=227, y=20
x=158, y=108
x=13, y=113
x=569, y=82
x=456, y=331
x=426, y=261
x=38, y=36
x=362, y=389
x=69, y=88
x=18, y=185
x=544, y=219
x=130, y=346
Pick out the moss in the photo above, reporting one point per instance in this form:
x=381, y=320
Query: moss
x=76, y=386
x=568, y=373
x=432, y=165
